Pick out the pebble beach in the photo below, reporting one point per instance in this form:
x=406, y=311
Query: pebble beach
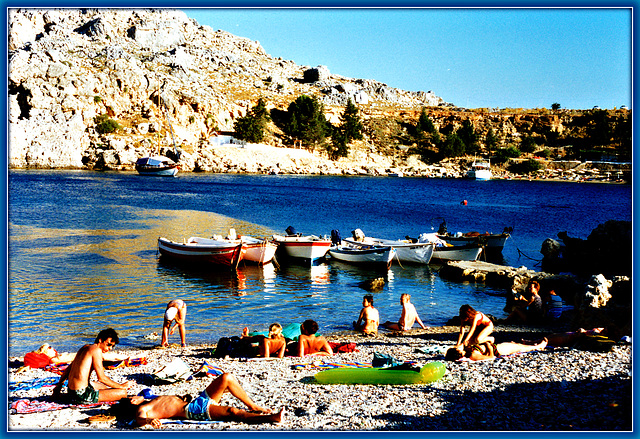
x=557, y=389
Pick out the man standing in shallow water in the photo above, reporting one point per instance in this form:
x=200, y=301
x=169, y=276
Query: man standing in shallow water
x=88, y=359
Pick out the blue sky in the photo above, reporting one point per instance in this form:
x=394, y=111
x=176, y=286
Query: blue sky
x=518, y=58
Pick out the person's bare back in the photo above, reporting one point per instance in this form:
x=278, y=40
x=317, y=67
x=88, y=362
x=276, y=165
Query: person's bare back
x=369, y=318
x=89, y=359
x=408, y=317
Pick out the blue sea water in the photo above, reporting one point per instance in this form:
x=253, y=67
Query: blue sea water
x=83, y=248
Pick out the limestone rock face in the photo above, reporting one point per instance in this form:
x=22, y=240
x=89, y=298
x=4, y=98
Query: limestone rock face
x=159, y=74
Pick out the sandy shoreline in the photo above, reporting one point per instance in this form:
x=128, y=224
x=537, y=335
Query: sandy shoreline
x=555, y=389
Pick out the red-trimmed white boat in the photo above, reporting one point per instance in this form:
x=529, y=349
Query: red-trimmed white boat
x=202, y=250
x=309, y=247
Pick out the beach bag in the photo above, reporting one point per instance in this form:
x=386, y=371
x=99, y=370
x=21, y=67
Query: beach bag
x=384, y=360
x=176, y=370
x=36, y=360
x=232, y=347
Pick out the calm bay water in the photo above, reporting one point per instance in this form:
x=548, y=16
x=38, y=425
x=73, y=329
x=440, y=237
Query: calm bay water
x=83, y=248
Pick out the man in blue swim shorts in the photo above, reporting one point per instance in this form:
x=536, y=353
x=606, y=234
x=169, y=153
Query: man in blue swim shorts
x=205, y=407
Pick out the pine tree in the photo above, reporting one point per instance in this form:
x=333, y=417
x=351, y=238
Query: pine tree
x=351, y=123
x=306, y=121
x=251, y=127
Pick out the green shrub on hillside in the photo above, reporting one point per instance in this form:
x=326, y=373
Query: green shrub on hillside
x=105, y=125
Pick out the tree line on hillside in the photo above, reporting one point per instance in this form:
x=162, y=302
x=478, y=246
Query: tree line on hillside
x=304, y=124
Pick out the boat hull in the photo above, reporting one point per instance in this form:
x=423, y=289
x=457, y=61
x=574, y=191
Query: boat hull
x=377, y=256
x=202, y=253
x=406, y=252
x=158, y=172
x=457, y=253
x=303, y=247
x=259, y=253
x=493, y=243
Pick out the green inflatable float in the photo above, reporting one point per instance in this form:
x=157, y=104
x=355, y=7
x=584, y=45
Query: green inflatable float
x=429, y=373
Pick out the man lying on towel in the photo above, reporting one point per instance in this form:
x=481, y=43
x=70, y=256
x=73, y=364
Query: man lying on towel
x=88, y=359
x=204, y=408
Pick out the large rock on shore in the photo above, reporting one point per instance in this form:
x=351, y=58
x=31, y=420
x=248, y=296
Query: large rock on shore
x=608, y=249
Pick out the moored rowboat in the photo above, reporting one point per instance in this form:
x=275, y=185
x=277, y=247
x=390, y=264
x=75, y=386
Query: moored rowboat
x=202, y=250
x=308, y=247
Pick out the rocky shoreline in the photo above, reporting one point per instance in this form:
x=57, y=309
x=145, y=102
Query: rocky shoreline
x=558, y=389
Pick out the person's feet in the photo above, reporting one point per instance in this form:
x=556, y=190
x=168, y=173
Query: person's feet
x=278, y=417
x=184, y=345
x=543, y=343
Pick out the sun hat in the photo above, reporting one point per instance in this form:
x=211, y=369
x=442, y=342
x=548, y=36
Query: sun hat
x=170, y=314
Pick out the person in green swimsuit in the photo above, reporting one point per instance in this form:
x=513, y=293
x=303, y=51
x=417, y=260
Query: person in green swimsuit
x=89, y=359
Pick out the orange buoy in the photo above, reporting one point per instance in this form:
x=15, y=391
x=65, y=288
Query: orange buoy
x=464, y=202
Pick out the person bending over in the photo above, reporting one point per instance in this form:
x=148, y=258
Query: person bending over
x=205, y=407
x=273, y=344
x=87, y=360
x=480, y=326
x=176, y=315
x=408, y=317
x=369, y=318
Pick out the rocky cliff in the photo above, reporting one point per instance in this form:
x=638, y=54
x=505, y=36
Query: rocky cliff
x=68, y=66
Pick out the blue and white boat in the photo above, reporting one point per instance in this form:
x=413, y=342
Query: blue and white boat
x=157, y=165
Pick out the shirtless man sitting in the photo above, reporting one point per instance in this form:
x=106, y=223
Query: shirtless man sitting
x=205, y=407
x=308, y=343
x=369, y=318
x=408, y=316
x=88, y=359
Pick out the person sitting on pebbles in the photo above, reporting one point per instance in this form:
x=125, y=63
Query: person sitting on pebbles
x=369, y=318
x=408, y=317
x=176, y=314
x=273, y=344
x=88, y=359
x=489, y=350
x=204, y=408
x=308, y=343
x=480, y=327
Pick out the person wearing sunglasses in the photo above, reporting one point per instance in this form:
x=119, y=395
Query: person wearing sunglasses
x=80, y=389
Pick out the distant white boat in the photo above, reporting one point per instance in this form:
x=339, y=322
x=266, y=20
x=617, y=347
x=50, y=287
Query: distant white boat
x=480, y=170
x=156, y=165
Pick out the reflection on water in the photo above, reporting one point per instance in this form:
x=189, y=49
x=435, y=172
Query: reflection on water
x=83, y=248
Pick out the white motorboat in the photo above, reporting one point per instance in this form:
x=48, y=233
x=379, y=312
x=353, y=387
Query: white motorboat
x=157, y=165
x=492, y=243
x=480, y=170
x=380, y=256
x=309, y=247
x=444, y=251
x=406, y=251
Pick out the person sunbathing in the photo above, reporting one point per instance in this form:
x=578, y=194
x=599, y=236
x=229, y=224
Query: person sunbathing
x=203, y=408
x=272, y=344
x=490, y=350
x=408, y=316
x=308, y=343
